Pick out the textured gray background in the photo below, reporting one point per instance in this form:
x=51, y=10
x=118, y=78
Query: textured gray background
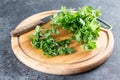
x=12, y=12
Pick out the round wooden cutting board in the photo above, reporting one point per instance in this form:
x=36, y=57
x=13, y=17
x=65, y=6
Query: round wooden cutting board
x=78, y=62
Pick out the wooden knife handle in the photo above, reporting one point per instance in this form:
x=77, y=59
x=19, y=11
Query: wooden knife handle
x=25, y=29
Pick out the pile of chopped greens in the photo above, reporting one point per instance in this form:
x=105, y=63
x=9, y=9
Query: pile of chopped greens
x=82, y=24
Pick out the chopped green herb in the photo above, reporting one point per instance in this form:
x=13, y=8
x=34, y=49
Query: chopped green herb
x=82, y=24
x=48, y=44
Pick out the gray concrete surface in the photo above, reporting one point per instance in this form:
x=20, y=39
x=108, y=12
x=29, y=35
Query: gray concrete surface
x=12, y=12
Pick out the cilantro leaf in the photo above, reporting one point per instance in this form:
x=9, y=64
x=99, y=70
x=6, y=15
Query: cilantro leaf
x=82, y=24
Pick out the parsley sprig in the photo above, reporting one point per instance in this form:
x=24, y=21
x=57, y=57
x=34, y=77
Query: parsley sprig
x=48, y=44
x=82, y=24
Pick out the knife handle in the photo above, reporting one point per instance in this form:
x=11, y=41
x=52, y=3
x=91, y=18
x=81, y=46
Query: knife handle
x=106, y=25
x=24, y=29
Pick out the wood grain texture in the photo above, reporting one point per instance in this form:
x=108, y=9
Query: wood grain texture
x=78, y=62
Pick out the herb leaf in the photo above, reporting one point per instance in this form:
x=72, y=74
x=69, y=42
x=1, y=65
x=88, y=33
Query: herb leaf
x=48, y=44
x=82, y=24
